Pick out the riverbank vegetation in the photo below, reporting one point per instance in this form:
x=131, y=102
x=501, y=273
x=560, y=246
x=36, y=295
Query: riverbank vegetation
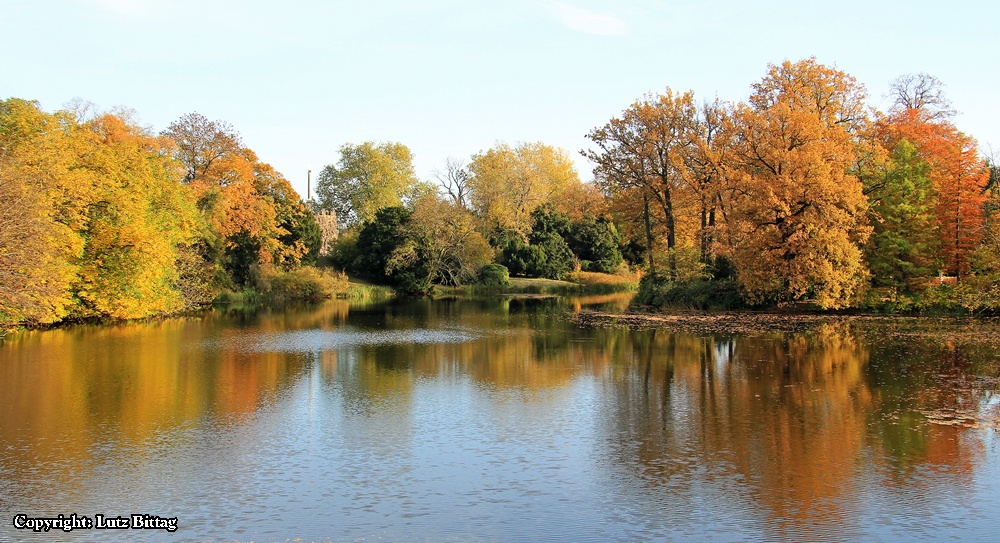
x=103, y=219
x=806, y=197
x=802, y=197
x=512, y=212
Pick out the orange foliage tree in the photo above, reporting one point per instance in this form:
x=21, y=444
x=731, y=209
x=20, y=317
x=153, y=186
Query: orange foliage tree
x=253, y=215
x=644, y=151
x=959, y=176
x=798, y=218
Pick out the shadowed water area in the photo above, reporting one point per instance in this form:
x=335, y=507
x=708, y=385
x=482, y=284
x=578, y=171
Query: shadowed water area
x=497, y=420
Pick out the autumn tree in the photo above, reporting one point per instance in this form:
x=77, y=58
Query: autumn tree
x=298, y=234
x=920, y=114
x=102, y=209
x=903, y=245
x=138, y=216
x=444, y=238
x=367, y=178
x=799, y=216
x=645, y=150
x=39, y=244
x=707, y=162
x=254, y=219
x=508, y=183
x=201, y=142
x=581, y=200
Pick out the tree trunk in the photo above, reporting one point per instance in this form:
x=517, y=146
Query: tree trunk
x=704, y=232
x=710, y=235
x=668, y=211
x=649, y=233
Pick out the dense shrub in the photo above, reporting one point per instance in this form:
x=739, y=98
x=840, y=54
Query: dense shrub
x=519, y=257
x=558, y=258
x=596, y=243
x=700, y=294
x=494, y=275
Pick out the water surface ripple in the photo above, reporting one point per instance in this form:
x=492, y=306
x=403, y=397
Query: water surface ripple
x=494, y=420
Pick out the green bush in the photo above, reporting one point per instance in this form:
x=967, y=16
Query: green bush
x=516, y=255
x=700, y=294
x=596, y=243
x=558, y=259
x=494, y=275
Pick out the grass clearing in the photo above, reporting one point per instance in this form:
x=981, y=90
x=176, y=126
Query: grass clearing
x=607, y=281
x=578, y=283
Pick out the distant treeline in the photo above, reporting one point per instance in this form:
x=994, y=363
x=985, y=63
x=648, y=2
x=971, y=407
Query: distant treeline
x=522, y=207
x=802, y=195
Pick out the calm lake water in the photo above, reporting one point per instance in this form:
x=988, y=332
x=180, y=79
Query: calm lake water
x=496, y=420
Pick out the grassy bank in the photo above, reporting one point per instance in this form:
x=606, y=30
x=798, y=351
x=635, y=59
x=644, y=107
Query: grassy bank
x=605, y=282
x=363, y=290
x=306, y=284
x=575, y=283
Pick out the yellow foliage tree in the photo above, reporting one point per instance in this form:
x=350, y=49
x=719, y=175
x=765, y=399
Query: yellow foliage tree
x=137, y=216
x=508, y=183
x=39, y=247
x=93, y=214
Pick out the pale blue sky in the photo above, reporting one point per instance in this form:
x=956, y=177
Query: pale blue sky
x=450, y=78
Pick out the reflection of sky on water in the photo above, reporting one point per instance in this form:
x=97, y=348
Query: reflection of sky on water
x=310, y=341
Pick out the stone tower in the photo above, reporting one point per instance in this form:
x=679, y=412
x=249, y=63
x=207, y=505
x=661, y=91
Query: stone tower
x=327, y=221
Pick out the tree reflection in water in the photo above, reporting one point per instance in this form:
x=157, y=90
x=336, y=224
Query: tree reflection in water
x=782, y=435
